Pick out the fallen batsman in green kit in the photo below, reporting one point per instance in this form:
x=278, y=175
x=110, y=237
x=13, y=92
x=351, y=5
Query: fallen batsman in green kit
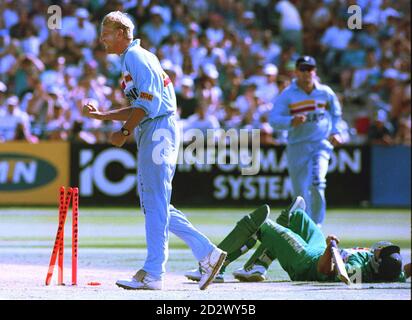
x=302, y=251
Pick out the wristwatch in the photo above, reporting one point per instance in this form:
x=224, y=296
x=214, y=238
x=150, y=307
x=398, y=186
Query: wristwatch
x=125, y=131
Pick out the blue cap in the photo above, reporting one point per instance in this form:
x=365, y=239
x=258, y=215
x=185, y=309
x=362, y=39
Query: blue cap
x=306, y=60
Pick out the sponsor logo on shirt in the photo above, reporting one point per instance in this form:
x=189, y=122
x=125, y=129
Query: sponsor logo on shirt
x=146, y=96
x=131, y=92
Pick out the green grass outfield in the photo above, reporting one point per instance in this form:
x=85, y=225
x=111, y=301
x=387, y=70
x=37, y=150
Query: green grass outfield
x=124, y=227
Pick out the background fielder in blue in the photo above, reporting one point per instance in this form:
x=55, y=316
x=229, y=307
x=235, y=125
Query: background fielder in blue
x=310, y=111
x=152, y=117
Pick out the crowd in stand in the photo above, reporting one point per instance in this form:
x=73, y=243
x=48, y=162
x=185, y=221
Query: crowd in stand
x=228, y=61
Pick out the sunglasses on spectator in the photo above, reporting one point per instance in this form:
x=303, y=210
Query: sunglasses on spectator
x=304, y=68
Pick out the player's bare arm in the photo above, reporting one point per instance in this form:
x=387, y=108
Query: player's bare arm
x=325, y=263
x=132, y=116
x=119, y=138
x=122, y=114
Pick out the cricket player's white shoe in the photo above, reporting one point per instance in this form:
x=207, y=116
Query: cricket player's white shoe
x=210, y=267
x=140, y=281
x=297, y=203
x=195, y=275
x=255, y=273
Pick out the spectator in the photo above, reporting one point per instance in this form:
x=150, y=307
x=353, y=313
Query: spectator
x=367, y=35
x=58, y=126
x=199, y=122
x=81, y=29
x=27, y=68
x=39, y=104
x=386, y=86
x=246, y=24
x=19, y=29
x=258, y=77
x=156, y=29
x=187, y=64
x=380, y=131
x=231, y=79
x=53, y=75
x=214, y=32
x=370, y=66
x=208, y=89
x=213, y=55
x=246, y=59
x=269, y=89
x=172, y=49
x=178, y=25
x=290, y=24
x=334, y=41
x=267, y=47
x=354, y=57
x=14, y=123
x=365, y=77
x=10, y=15
x=186, y=100
x=247, y=101
x=30, y=42
x=206, y=53
x=8, y=55
x=40, y=20
x=231, y=43
x=231, y=118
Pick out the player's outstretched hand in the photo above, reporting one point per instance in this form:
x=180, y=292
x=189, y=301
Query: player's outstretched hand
x=330, y=238
x=90, y=111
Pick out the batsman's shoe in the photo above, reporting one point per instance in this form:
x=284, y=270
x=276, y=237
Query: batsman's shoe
x=196, y=274
x=140, y=281
x=256, y=273
x=284, y=217
x=210, y=267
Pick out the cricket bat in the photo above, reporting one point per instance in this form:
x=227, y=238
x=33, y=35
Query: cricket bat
x=340, y=266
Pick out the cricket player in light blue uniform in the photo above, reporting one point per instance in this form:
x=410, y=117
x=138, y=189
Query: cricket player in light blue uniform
x=152, y=117
x=310, y=111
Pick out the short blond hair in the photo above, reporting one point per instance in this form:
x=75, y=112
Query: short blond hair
x=119, y=20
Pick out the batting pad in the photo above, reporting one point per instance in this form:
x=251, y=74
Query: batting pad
x=238, y=240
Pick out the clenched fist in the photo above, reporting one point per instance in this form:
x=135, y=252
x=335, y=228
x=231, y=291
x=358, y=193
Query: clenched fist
x=330, y=238
x=298, y=120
